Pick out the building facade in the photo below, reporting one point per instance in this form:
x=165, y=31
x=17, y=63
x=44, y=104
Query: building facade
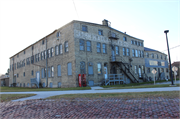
x=158, y=61
x=79, y=48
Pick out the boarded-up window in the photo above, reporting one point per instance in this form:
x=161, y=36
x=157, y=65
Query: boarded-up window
x=69, y=68
x=59, y=70
x=90, y=68
x=42, y=73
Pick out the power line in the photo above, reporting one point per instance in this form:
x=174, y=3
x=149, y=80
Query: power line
x=171, y=48
x=75, y=9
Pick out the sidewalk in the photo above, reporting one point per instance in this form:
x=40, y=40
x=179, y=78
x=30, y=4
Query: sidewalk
x=45, y=94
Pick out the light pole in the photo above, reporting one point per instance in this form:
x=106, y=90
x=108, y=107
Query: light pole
x=166, y=31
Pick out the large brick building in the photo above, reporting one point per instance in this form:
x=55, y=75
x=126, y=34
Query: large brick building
x=80, y=48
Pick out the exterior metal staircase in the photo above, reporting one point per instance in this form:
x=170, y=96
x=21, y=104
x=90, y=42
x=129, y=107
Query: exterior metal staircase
x=34, y=81
x=123, y=65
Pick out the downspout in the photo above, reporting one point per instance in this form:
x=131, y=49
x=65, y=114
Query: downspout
x=46, y=65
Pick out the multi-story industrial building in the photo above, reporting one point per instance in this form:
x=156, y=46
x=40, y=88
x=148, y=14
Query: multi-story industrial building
x=158, y=61
x=104, y=54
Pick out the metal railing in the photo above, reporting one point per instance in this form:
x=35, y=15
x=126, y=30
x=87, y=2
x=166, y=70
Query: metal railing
x=114, y=78
x=34, y=81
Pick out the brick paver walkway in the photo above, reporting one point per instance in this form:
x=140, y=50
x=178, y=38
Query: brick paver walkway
x=92, y=108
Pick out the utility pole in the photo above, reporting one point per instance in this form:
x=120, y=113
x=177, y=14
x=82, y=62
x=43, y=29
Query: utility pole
x=171, y=76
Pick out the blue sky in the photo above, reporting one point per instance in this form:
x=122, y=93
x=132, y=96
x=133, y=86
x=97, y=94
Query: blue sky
x=24, y=22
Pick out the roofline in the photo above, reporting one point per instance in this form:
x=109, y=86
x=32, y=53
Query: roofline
x=154, y=51
x=67, y=24
x=34, y=43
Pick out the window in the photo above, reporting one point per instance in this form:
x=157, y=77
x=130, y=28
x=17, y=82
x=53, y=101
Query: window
x=58, y=34
x=42, y=73
x=142, y=67
x=69, y=69
x=49, y=53
x=17, y=75
x=36, y=58
x=124, y=51
x=164, y=57
x=42, y=55
x=45, y=73
x=45, y=54
x=132, y=42
x=32, y=47
x=52, y=52
x=32, y=72
x=135, y=69
x=59, y=70
x=147, y=54
x=82, y=68
x=49, y=72
x=142, y=54
x=113, y=34
x=42, y=42
x=81, y=44
x=133, y=52
x=52, y=71
x=88, y=45
x=56, y=50
x=136, y=53
x=139, y=44
x=142, y=44
x=60, y=49
x=99, y=69
x=166, y=69
x=24, y=73
x=152, y=55
x=104, y=48
x=66, y=46
x=124, y=38
x=148, y=70
x=24, y=52
x=84, y=28
x=32, y=59
x=39, y=56
x=139, y=53
x=128, y=53
x=90, y=68
x=117, y=50
x=99, y=47
x=135, y=42
x=161, y=56
x=157, y=56
x=17, y=55
x=100, y=32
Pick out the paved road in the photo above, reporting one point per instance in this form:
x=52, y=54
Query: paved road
x=45, y=94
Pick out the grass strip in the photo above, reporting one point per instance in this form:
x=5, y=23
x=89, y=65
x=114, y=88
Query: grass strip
x=25, y=89
x=137, y=84
x=9, y=97
x=165, y=94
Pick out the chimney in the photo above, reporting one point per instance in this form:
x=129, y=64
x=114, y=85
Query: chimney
x=105, y=22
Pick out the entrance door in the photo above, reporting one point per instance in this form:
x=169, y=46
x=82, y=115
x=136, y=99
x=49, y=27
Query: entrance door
x=38, y=77
x=139, y=72
x=112, y=53
x=105, y=73
x=14, y=79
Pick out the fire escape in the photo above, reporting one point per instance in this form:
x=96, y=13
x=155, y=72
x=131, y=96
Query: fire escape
x=120, y=63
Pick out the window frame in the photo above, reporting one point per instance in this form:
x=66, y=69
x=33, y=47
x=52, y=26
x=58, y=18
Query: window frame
x=99, y=68
x=127, y=52
x=60, y=49
x=81, y=45
x=84, y=28
x=88, y=46
x=117, y=50
x=124, y=38
x=104, y=47
x=66, y=46
x=100, y=32
x=124, y=51
x=98, y=47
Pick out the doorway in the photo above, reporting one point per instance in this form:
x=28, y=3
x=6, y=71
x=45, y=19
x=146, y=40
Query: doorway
x=38, y=76
x=105, y=71
x=139, y=71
